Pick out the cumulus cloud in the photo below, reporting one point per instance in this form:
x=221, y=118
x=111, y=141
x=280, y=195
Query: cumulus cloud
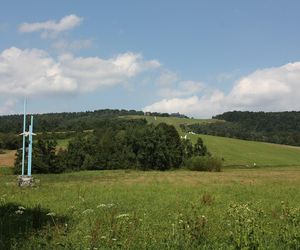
x=270, y=89
x=52, y=28
x=94, y=72
x=203, y=106
x=34, y=72
x=275, y=88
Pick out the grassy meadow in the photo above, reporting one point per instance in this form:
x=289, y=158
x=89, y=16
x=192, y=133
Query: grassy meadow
x=237, y=152
x=232, y=209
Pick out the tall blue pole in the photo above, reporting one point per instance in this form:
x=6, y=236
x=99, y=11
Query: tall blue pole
x=24, y=129
x=30, y=147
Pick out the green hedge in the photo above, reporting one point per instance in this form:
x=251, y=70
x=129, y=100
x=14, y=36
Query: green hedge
x=204, y=163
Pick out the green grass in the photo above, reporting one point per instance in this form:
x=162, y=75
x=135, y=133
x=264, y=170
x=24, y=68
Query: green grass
x=241, y=152
x=151, y=210
x=63, y=143
x=238, y=152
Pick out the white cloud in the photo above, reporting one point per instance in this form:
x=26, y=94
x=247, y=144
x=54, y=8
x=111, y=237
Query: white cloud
x=94, y=72
x=52, y=28
x=203, y=106
x=31, y=72
x=270, y=89
x=275, y=88
x=34, y=72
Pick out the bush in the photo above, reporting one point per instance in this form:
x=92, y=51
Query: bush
x=204, y=163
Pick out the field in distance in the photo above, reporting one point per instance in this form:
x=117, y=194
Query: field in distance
x=234, y=151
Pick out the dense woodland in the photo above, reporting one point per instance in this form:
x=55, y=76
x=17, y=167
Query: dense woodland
x=115, y=144
x=275, y=127
x=69, y=123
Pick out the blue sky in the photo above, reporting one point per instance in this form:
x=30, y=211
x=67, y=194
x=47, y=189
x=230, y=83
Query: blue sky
x=200, y=58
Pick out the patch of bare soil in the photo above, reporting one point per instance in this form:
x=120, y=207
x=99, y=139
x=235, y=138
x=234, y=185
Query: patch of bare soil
x=8, y=158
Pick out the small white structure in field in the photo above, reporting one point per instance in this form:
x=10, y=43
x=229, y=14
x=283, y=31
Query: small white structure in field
x=183, y=137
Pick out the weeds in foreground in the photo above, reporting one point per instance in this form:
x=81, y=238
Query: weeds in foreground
x=110, y=226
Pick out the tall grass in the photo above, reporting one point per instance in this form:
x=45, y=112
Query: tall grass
x=154, y=210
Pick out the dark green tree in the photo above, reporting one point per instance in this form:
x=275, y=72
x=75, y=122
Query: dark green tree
x=199, y=148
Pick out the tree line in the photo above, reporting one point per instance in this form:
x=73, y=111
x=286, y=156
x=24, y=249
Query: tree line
x=70, y=121
x=115, y=144
x=274, y=127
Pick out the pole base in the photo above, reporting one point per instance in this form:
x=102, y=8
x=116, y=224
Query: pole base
x=25, y=181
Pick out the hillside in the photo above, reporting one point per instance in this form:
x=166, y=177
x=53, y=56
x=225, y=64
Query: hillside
x=235, y=151
x=274, y=127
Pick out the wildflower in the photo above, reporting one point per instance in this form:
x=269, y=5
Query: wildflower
x=103, y=237
x=19, y=212
x=51, y=214
x=122, y=216
x=21, y=208
x=88, y=211
x=110, y=205
x=101, y=205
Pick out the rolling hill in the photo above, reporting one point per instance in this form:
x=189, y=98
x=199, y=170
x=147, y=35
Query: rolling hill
x=237, y=152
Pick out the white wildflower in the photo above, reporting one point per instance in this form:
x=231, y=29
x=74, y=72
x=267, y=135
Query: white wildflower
x=19, y=212
x=110, y=205
x=88, y=211
x=122, y=216
x=101, y=205
x=51, y=214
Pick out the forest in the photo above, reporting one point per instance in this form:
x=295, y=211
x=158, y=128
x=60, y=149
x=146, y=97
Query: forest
x=274, y=127
x=68, y=123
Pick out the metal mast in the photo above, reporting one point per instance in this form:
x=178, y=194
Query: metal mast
x=30, y=147
x=24, y=137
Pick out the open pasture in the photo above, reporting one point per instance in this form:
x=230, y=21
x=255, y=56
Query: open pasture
x=237, y=152
x=153, y=210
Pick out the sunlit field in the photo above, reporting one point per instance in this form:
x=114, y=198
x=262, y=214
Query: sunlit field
x=153, y=210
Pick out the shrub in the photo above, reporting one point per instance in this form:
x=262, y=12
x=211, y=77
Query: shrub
x=204, y=163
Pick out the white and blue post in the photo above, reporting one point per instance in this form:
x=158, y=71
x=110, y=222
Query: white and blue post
x=30, y=147
x=24, y=138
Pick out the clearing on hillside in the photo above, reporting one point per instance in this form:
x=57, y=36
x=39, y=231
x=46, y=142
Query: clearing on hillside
x=237, y=152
